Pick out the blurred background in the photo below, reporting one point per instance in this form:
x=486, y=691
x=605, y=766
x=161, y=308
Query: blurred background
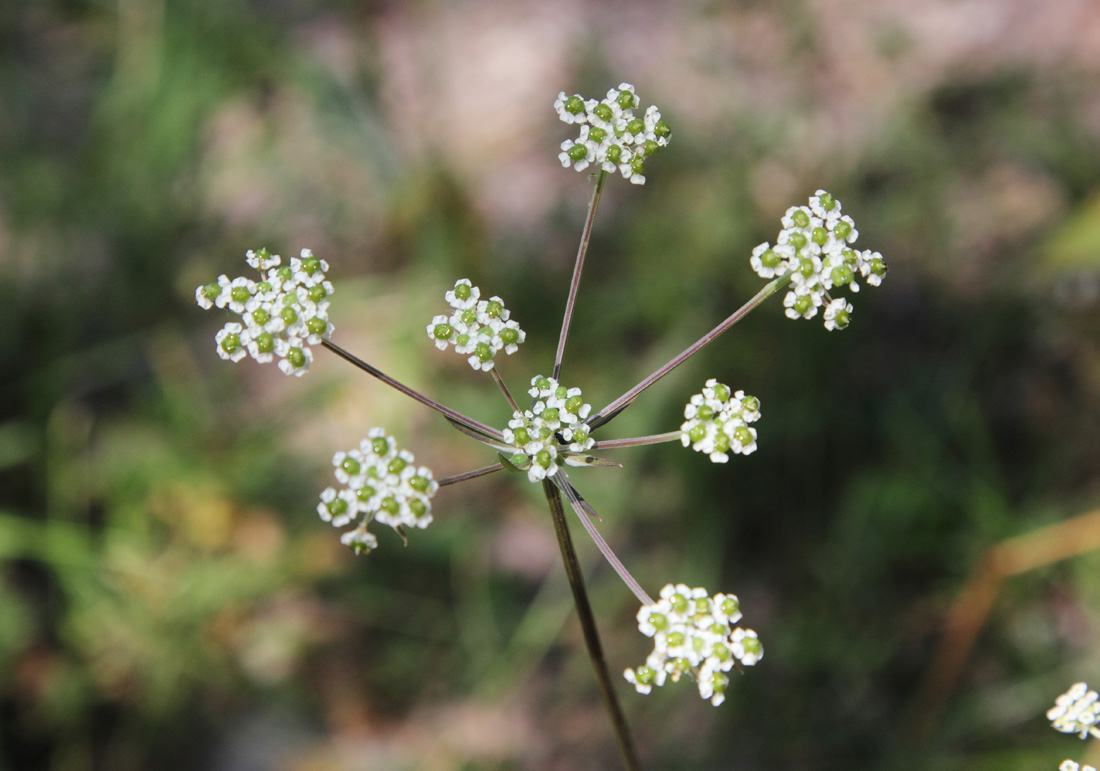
x=168, y=596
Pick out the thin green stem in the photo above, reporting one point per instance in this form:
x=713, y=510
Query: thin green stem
x=607, y=444
x=588, y=626
x=617, y=406
x=574, y=285
x=452, y=415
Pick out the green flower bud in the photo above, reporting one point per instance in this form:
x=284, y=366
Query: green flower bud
x=317, y=326
x=317, y=293
x=297, y=358
x=337, y=506
x=573, y=404
x=211, y=291
x=645, y=675
x=721, y=442
x=521, y=436
x=365, y=493
x=803, y=304
x=418, y=507
x=662, y=130
x=494, y=308
x=462, y=291
x=635, y=126
x=311, y=265
x=397, y=465
x=721, y=392
x=231, y=342
x=819, y=235
x=697, y=434
x=743, y=435
x=288, y=315
x=284, y=273
x=574, y=105
x=419, y=483
x=603, y=112
x=550, y=414
x=239, y=294
x=626, y=100
x=260, y=317
x=483, y=352
x=705, y=412
x=380, y=445
x=675, y=639
x=637, y=165
x=390, y=505
x=265, y=342
x=798, y=240
x=842, y=230
x=509, y=336
x=801, y=218
x=351, y=466
x=730, y=606
x=659, y=621
x=827, y=201
x=769, y=259
x=543, y=458
x=578, y=152
x=597, y=134
x=541, y=383
x=650, y=147
x=842, y=275
x=679, y=603
x=614, y=154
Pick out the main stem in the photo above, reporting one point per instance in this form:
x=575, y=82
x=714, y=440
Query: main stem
x=588, y=625
x=574, y=285
x=613, y=409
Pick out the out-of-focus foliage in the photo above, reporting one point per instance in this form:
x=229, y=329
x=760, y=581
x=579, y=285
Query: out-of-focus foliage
x=169, y=596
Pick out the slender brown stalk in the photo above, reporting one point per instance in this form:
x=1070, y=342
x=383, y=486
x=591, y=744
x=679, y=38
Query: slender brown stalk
x=452, y=415
x=575, y=284
x=588, y=625
x=477, y=472
x=608, y=444
x=617, y=406
x=504, y=389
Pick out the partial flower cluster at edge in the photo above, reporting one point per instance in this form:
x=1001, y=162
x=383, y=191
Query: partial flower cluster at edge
x=281, y=315
x=480, y=328
x=693, y=634
x=533, y=434
x=1077, y=711
x=814, y=249
x=381, y=483
x=612, y=137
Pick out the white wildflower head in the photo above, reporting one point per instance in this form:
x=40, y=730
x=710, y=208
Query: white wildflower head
x=717, y=422
x=380, y=483
x=1072, y=765
x=612, y=136
x=552, y=430
x=478, y=329
x=281, y=315
x=693, y=634
x=814, y=249
x=1076, y=711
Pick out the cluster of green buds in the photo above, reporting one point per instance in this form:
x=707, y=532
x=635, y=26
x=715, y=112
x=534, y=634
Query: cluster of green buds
x=281, y=315
x=611, y=135
x=552, y=429
x=380, y=483
x=717, y=422
x=694, y=634
x=480, y=328
x=814, y=250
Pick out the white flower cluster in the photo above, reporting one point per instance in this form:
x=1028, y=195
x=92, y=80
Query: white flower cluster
x=717, y=422
x=612, y=136
x=813, y=247
x=1076, y=711
x=553, y=428
x=281, y=315
x=1072, y=765
x=694, y=633
x=381, y=483
x=480, y=328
